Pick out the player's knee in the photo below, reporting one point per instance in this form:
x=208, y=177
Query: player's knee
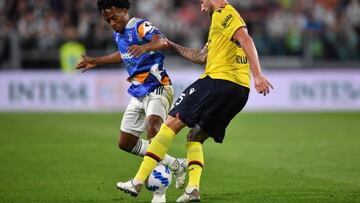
x=151, y=131
x=193, y=137
x=153, y=126
x=197, y=135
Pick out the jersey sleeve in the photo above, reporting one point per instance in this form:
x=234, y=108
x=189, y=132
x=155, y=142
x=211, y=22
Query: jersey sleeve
x=146, y=30
x=228, y=21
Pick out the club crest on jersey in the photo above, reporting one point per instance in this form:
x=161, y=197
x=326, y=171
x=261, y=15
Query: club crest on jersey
x=130, y=36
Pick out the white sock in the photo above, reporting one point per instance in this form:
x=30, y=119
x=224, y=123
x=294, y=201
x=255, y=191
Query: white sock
x=140, y=147
x=140, y=150
x=170, y=162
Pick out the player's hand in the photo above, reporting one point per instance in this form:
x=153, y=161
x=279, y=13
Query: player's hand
x=262, y=85
x=86, y=63
x=136, y=50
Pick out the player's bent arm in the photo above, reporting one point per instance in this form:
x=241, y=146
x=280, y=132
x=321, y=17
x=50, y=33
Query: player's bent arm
x=158, y=42
x=193, y=55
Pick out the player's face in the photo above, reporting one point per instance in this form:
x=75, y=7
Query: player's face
x=116, y=17
x=206, y=7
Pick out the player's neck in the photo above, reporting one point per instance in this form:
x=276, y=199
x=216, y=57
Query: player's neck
x=127, y=21
x=219, y=4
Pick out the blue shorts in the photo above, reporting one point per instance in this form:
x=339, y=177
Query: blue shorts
x=210, y=104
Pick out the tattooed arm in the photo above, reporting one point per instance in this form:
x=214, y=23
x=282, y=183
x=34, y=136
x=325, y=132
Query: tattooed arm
x=193, y=55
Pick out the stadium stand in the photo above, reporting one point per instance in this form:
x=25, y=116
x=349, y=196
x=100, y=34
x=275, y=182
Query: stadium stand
x=307, y=32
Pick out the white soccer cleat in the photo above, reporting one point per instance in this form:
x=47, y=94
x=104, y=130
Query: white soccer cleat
x=158, y=198
x=191, y=194
x=129, y=187
x=180, y=172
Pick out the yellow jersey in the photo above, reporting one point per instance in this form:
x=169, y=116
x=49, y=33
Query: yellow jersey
x=226, y=59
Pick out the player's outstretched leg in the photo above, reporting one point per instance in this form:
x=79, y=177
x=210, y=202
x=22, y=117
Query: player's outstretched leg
x=156, y=151
x=196, y=162
x=178, y=166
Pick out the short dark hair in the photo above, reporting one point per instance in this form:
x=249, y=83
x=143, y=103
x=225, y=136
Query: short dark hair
x=107, y=4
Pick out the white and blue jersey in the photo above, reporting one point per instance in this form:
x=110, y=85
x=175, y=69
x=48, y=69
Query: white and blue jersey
x=147, y=71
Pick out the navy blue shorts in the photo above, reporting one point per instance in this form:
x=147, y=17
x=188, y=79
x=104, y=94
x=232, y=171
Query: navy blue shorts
x=210, y=104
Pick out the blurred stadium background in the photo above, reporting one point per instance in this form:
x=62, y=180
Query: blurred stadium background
x=288, y=33
x=58, y=128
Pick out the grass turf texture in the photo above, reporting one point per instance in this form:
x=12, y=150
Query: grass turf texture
x=266, y=157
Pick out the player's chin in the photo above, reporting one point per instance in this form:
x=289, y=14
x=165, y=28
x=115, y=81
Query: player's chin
x=116, y=29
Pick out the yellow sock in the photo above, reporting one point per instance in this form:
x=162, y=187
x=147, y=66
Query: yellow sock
x=155, y=152
x=195, y=158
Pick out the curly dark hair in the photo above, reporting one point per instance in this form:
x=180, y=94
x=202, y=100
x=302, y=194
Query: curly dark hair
x=107, y=4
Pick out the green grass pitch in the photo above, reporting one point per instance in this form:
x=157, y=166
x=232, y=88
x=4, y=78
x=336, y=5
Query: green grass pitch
x=266, y=157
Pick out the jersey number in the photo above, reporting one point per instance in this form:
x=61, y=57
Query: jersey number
x=180, y=99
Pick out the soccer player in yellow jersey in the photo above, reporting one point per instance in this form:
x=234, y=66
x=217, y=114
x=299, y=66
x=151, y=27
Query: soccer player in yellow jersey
x=209, y=104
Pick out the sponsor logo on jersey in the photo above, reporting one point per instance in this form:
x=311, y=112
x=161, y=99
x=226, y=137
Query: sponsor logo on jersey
x=126, y=56
x=192, y=90
x=227, y=21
